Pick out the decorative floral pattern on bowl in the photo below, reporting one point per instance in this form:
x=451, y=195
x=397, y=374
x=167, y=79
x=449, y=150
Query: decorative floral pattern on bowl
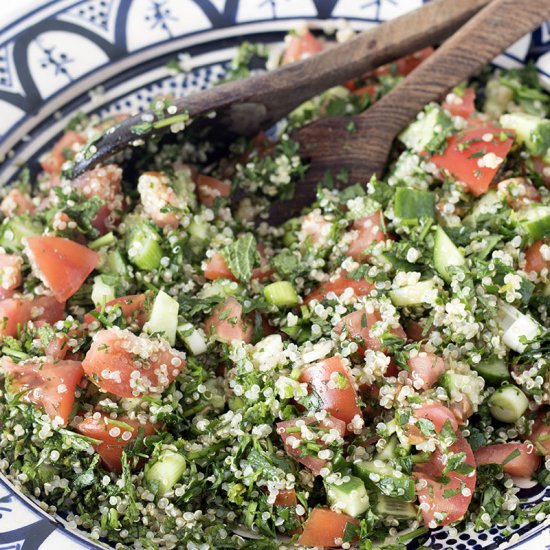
x=109, y=56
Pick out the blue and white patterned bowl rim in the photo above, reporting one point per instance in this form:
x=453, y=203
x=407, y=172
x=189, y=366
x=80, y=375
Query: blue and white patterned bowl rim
x=109, y=56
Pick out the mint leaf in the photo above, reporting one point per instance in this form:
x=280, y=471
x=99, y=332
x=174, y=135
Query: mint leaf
x=241, y=257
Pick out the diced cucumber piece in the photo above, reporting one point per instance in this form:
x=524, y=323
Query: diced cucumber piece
x=114, y=263
x=446, y=254
x=466, y=385
x=393, y=449
x=199, y=233
x=104, y=240
x=143, y=247
x=194, y=338
x=183, y=185
x=390, y=482
x=492, y=241
x=396, y=508
x=15, y=229
x=164, y=317
x=508, y=404
x=221, y=288
x=429, y=131
x=350, y=497
x=518, y=328
x=531, y=131
x=103, y=290
x=412, y=204
x=487, y=204
x=281, y=294
x=535, y=220
x=166, y=471
x=494, y=371
x=412, y=295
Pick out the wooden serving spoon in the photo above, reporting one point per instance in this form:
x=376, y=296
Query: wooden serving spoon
x=329, y=145
x=246, y=106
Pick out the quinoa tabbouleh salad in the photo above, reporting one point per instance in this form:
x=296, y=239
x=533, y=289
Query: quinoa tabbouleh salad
x=177, y=375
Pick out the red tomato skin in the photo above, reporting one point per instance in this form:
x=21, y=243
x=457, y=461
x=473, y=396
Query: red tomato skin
x=17, y=312
x=426, y=366
x=360, y=334
x=226, y=323
x=286, y=497
x=111, y=352
x=414, y=331
x=110, y=449
x=338, y=286
x=43, y=380
x=61, y=264
x=465, y=108
x=53, y=161
x=301, y=46
x=534, y=260
x=465, y=167
x=369, y=231
x=437, y=413
x=432, y=493
x=524, y=465
x=324, y=527
x=134, y=308
x=209, y=189
x=15, y=203
x=10, y=271
x=216, y=268
x=340, y=403
x=314, y=463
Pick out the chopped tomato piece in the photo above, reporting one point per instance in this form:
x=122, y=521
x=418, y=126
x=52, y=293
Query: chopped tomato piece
x=286, y=497
x=291, y=434
x=338, y=286
x=127, y=365
x=331, y=381
x=160, y=202
x=435, y=412
x=135, y=308
x=209, y=189
x=517, y=459
x=368, y=231
x=426, y=368
x=17, y=312
x=543, y=168
x=115, y=436
x=226, y=323
x=217, y=268
x=447, y=499
x=534, y=258
x=475, y=156
x=369, y=89
x=519, y=192
x=61, y=264
x=405, y=65
x=300, y=46
x=415, y=331
x=463, y=105
x=315, y=229
x=48, y=383
x=325, y=528
x=359, y=324
x=15, y=203
x=10, y=271
x=53, y=161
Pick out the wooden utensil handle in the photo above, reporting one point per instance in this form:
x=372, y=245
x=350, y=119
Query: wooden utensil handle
x=477, y=43
x=425, y=26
